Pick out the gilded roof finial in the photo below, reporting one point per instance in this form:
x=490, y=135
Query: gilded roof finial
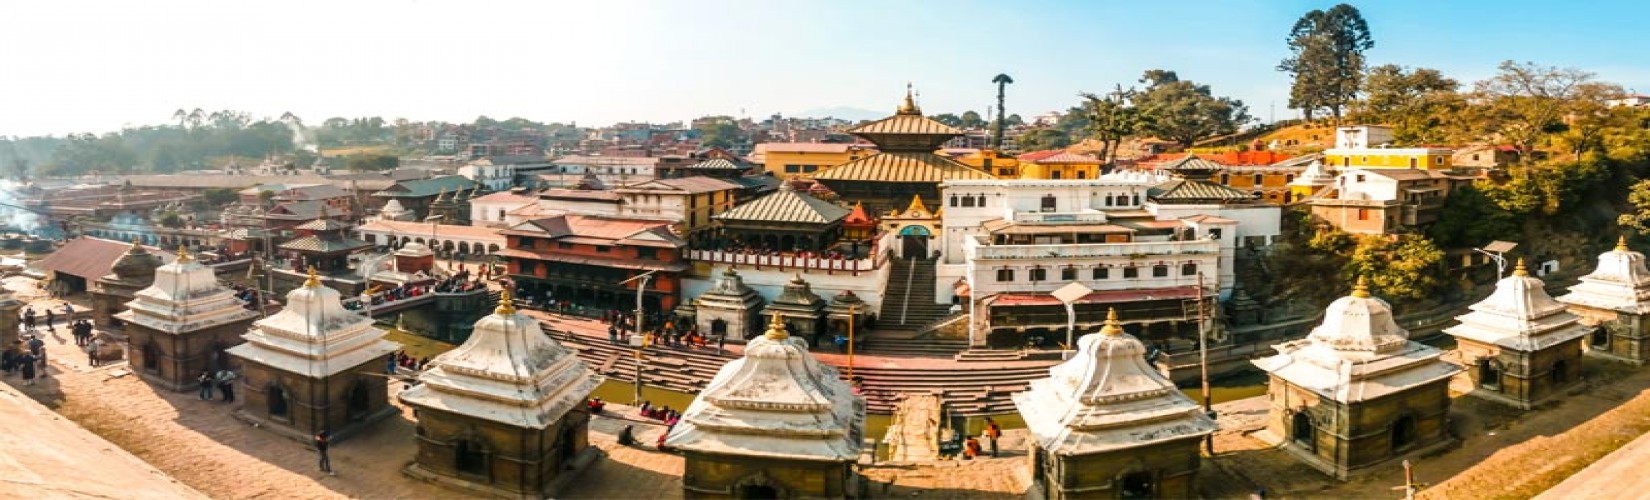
x=1361, y=289
x=1621, y=243
x=909, y=107
x=776, y=328
x=1520, y=270
x=314, y=278
x=183, y=254
x=1112, y=327
x=506, y=303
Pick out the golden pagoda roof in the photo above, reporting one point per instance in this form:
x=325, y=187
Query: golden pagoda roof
x=902, y=166
x=906, y=124
x=786, y=205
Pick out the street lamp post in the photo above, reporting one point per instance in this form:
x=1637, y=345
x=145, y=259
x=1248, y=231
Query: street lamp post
x=1069, y=295
x=636, y=340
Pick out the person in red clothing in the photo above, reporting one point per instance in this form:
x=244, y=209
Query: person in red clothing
x=992, y=432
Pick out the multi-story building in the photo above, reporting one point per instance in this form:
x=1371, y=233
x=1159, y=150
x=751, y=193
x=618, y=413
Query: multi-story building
x=689, y=202
x=491, y=176
x=1364, y=146
x=591, y=262
x=1065, y=165
x=795, y=159
x=611, y=170
x=1380, y=201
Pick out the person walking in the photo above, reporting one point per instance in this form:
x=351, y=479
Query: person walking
x=992, y=432
x=323, y=440
x=226, y=385
x=25, y=364
x=389, y=365
x=28, y=319
x=92, y=357
x=35, y=345
x=51, y=317
x=205, y=380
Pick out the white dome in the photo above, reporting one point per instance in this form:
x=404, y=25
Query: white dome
x=1359, y=323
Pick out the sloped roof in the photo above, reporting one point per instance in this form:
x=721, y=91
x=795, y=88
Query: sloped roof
x=426, y=187
x=87, y=257
x=323, y=225
x=324, y=245
x=1195, y=190
x=786, y=205
x=691, y=185
x=801, y=147
x=1038, y=155
x=1191, y=162
x=305, y=210
x=312, y=192
x=597, y=229
x=717, y=164
x=906, y=125
x=902, y=167
x=1066, y=157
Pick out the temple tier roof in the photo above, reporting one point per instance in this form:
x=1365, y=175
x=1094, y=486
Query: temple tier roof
x=786, y=205
x=775, y=402
x=1520, y=316
x=907, y=130
x=1108, y=398
x=901, y=166
x=508, y=371
x=730, y=292
x=136, y=265
x=1621, y=283
x=314, y=335
x=185, y=297
x=1358, y=353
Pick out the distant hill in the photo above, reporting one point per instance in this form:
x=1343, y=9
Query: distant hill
x=842, y=112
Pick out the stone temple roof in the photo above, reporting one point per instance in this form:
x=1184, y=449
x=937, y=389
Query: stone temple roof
x=508, y=371
x=1621, y=283
x=776, y=402
x=185, y=297
x=1358, y=353
x=1519, y=316
x=1108, y=398
x=729, y=292
x=314, y=336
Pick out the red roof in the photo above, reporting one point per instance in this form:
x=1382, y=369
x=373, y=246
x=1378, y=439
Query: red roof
x=1038, y=155
x=89, y=258
x=1102, y=297
x=1229, y=158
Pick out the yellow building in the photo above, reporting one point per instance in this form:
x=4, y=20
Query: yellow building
x=1061, y=166
x=1419, y=158
x=998, y=164
x=801, y=159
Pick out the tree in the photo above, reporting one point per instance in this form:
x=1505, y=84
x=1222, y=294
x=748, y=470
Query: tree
x=1401, y=267
x=1525, y=101
x=1016, y=120
x=1183, y=111
x=362, y=162
x=1469, y=218
x=972, y=119
x=949, y=119
x=217, y=197
x=1112, y=117
x=1042, y=138
x=1326, y=59
x=1002, y=80
x=171, y=219
x=1639, y=197
x=1421, y=104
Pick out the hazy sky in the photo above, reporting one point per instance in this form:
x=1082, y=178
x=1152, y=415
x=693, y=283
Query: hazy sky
x=72, y=66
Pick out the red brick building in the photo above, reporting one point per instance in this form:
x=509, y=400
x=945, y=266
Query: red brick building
x=583, y=260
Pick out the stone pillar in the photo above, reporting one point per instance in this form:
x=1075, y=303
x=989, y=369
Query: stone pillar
x=8, y=319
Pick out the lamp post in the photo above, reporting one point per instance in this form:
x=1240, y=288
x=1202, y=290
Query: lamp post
x=1496, y=250
x=1069, y=295
x=853, y=310
x=637, y=340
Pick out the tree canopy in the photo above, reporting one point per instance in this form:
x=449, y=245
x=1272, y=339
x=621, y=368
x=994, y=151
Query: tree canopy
x=1184, y=111
x=1326, y=59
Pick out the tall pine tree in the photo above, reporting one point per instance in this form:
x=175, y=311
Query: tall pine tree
x=1327, y=60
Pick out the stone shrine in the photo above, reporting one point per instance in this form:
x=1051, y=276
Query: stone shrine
x=1615, y=301
x=1520, y=346
x=314, y=366
x=110, y=293
x=728, y=309
x=1106, y=424
x=182, y=324
x=503, y=414
x=774, y=424
x=804, y=312
x=1356, y=392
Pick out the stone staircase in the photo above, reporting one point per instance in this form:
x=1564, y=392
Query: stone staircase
x=908, y=301
x=913, y=347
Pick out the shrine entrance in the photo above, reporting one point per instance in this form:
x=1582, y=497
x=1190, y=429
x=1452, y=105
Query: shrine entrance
x=913, y=241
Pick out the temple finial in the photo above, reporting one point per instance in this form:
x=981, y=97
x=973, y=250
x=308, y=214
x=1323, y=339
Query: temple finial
x=506, y=303
x=1112, y=327
x=1361, y=289
x=314, y=278
x=776, y=328
x=183, y=254
x=909, y=107
x=1520, y=270
x=1621, y=243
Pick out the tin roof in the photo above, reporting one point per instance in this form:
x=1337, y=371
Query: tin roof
x=1194, y=190
x=717, y=164
x=87, y=257
x=901, y=166
x=324, y=245
x=786, y=205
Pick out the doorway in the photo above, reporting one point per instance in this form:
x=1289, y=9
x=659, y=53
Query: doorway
x=1137, y=485
x=1403, y=433
x=914, y=242
x=360, y=401
x=277, y=402
x=756, y=492
x=1302, y=432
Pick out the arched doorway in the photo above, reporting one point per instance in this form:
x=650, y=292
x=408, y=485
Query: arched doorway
x=914, y=242
x=757, y=492
x=469, y=457
x=1599, y=339
x=1489, y=374
x=718, y=327
x=277, y=402
x=360, y=401
x=1403, y=433
x=151, y=357
x=1137, y=485
x=1302, y=432
x=1560, y=373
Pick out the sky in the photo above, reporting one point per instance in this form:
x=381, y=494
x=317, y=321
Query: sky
x=96, y=66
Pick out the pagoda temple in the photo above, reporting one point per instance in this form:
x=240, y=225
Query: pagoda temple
x=132, y=272
x=774, y=424
x=858, y=226
x=1190, y=185
x=314, y=366
x=1615, y=301
x=803, y=310
x=1107, y=424
x=905, y=164
x=181, y=325
x=503, y=414
x=844, y=310
x=324, y=246
x=785, y=221
x=1356, y=392
x=1519, y=345
x=729, y=309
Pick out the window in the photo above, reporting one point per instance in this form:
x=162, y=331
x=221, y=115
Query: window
x=1160, y=271
x=1363, y=214
x=1131, y=272
x=603, y=249
x=1048, y=203
x=1225, y=178
x=808, y=169
x=1257, y=179
x=979, y=200
x=1005, y=275
x=1109, y=201
x=1068, y=274
x=1082, y=174
x=1054, y=175
x=1360, y=177
x=968, y=201
x=664, y=254
x=564, y=245
x=1137, y=199
x=1101, y=273
x=793, y=169
x=986, y=163
x=500, y=214
x=953, y=200
x=1412, y=163
x=1039, y=274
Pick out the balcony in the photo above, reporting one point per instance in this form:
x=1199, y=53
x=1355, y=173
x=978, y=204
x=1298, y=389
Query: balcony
x=1034, y=252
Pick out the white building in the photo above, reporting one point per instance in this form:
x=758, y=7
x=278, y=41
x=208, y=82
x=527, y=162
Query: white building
x=493, y=210
x=612, y=170
x=490, y=176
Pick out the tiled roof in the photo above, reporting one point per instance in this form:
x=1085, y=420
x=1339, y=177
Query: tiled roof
x=423, y=229
x=1067, y=157
x=579, y=194
x=312, y=192
x=759, y=183
x=1038, y=155
x=801, y=147
x=906, y=125
x=1190, y=162
x=692, y=185
x=1194, y=190
x=304, y=210
x=786, y=205
x=89, y=258
x=426, y=187
x=901, y=167
x=324, y=245
x=322, y=225
x=717, y=164
x=616, y=230
x=506, y=197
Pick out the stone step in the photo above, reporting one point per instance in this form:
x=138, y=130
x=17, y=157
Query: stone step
x=980, y=355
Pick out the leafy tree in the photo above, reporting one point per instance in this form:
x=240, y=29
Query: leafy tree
x=1042, y=138
x=171, y=219
x=950, y=119
x=1184, y=111
x=217, y=197
x=1401, y=267
x=1016, y=120
x=1421, y=104
x=1469, y=218
x=363, y=162
x=1002, y=80
x=1524, y=101
x=1326, y=59
x=1112, y=117
x=972, y=119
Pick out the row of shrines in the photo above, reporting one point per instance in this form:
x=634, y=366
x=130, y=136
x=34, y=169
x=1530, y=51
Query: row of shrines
x=505, y=412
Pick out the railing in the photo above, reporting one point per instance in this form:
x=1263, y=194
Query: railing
x=1095, y=250
x=784, y=262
